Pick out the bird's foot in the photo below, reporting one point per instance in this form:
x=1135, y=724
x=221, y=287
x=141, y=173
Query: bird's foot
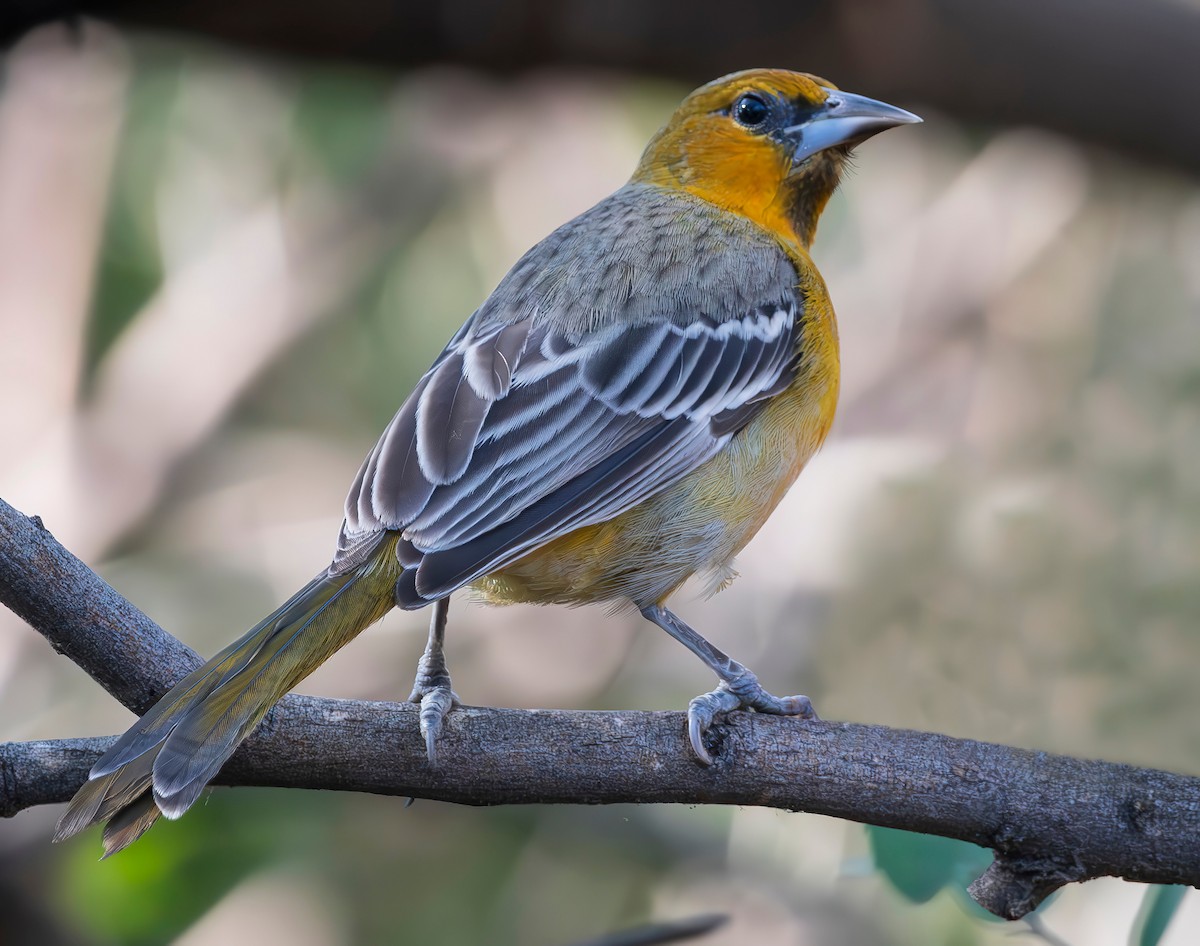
x=742, y=691
x=433, y=692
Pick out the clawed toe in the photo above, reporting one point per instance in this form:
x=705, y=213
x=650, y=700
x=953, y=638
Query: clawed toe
x=743, y=692
x=702, y=711
x=739, y=688
x=436, y=702
x=797, y=706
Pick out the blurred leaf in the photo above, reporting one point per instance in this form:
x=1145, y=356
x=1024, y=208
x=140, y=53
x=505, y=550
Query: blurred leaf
x=653, y=934
x=341, y=120
x=156, y=889
x=920, y=865
x=129, y=269
x=1158, y=906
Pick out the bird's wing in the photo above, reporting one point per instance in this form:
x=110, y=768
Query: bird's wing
x=521, y=433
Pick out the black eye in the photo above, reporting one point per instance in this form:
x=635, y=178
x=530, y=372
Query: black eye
x=750, y=110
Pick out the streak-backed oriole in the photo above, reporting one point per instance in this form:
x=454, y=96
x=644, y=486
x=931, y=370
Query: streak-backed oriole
x=623, y=412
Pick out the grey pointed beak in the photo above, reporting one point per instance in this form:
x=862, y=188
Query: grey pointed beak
x=842, y=119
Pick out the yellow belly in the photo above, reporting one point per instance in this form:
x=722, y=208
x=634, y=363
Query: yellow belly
x=699, y=524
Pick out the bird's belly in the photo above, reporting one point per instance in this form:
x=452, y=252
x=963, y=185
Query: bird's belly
x=697, y=525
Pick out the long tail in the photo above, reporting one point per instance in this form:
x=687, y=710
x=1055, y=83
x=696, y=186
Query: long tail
x=161, y=765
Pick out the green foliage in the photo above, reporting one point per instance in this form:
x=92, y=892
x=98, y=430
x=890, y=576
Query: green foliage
x=337, y=120
x=919, y=866
x=153, y=891
x=129, y=268
x=1158, y=907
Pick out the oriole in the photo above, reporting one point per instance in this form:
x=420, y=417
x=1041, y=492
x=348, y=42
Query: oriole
x=623, y=412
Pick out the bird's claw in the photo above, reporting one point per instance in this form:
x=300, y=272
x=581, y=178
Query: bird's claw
x=432, y=691
x=436, y=703
x=702, y=711
x=742, y=692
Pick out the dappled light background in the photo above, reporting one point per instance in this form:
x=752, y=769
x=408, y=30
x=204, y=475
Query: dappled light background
x=219, y=276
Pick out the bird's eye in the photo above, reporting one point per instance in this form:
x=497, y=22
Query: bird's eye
x=750, y=110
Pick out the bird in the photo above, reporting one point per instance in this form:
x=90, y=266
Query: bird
x=622, y=413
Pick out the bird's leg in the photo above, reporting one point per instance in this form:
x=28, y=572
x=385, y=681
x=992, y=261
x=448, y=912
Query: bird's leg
x=739, y=687
x=432, y=687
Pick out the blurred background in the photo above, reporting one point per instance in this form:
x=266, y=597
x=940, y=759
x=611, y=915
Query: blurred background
x=229, y=245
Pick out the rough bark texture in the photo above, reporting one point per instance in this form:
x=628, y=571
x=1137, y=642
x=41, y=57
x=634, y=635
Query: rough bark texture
x=1108, y=71
x=1051, y=819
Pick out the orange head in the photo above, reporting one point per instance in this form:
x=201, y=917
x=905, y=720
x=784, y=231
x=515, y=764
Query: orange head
x=765, y=143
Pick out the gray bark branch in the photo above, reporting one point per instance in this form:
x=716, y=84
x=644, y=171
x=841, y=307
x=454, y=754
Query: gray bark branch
x=1051, y=819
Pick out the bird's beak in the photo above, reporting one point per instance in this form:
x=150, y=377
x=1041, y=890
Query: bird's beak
x=844, y=118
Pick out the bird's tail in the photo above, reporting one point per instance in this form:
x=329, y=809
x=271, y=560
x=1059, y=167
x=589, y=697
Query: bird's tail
x=161, y=765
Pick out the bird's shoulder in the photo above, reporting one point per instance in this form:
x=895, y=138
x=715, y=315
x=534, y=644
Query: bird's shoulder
x=646, y=253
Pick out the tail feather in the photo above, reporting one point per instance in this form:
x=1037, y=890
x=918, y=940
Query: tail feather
x=199, y=743
x=130, y=823
x=160, y=719
x=104, y=797
x=163, y=763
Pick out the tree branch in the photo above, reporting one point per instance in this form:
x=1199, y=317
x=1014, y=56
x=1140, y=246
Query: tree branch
x=1051, y=819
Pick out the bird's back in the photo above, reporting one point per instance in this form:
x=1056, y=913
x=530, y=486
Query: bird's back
x=647, y=252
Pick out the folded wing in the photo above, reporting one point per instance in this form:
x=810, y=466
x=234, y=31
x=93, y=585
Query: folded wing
x=521, y=433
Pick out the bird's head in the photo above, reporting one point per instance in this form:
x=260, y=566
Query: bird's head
x=765, y=143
